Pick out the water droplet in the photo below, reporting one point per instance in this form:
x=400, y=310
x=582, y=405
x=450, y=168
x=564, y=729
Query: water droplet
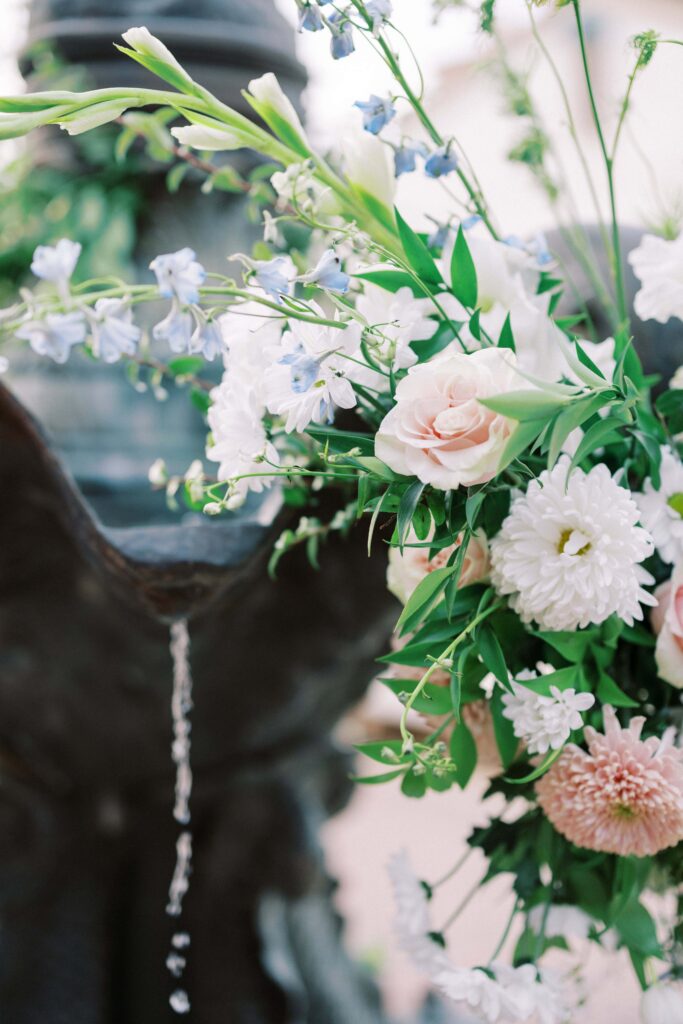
x=179, y=1001
x=176, y=964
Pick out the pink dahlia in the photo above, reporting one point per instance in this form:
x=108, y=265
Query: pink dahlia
x=623, y=796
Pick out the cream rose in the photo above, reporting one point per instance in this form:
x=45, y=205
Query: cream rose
x=667, y=622
x=438, y=430
x=406, y=568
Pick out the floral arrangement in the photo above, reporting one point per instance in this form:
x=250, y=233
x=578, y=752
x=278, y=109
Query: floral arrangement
x=525, y=479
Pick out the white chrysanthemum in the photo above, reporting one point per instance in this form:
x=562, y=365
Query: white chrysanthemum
x=658, y=265
x=568, y=552
x=661, y=511
x=396, y=320
x=544, y=723
x=413, y=924
x=507, y=993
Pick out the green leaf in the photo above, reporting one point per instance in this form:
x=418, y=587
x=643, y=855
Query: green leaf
x=391, y=280
x=572, y=646
x=419, y=256
x=473, y=507
x=568, y=420
x=406, y=510
x=176, y=176
x=413, y=784
x=426, y=593
x=186, y=366
x=505, y=737
x=342, y=440
x=492, y=654
x=610, y=693
x=637, y=929
x=563, y=679
x=463, y=751
x=520, y=439
x=597, y=436
x=429, y=347
x=525, y=405
x=434, y=700
x=463, y=272
x=507, y=338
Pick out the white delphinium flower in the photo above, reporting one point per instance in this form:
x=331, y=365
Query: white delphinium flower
x=397, y=319
x=179, y=275
x=273, y=105
x=568, y=553
x=312, y=374
x=175, y=329
x=56, y=263
x=297, y=186
x=143, y=42
x=544, y=723
x=662, y=1004
x=114, y=333
x=239, y=442
x=413, y=923
x=54, y=335
x=214, y=140
x=676, y=382
x=207, y=339
x=658, y=265
x=251, y=336
x=661, y=511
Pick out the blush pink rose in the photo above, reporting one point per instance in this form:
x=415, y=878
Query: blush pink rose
x=667, y=622
x=406, y=568
x=438, y=430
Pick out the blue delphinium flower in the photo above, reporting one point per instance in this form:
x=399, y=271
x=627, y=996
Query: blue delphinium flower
x=469, y=222
x=327, y=273
x=175, y=329
x=54, y=335
x=442, y=161
x=310, y=17
x=439, y=236
x=179, y=275
x=271, y=275
x=342, y=43
x=304, y=370
x=377, y=113
x=114, y=333
x=539, y=248
x=207, y=340
x=405, y=157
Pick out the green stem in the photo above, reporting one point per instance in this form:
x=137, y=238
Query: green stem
x=617, y=262
x=395, y=68
x=406, y=734
x=461, y=906
x=454, y=870
x=506, y=932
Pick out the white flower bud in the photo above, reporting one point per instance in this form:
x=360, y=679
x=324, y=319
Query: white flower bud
x=213, y=508
x=158, y=473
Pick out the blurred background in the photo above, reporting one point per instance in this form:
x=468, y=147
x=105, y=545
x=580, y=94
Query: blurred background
x=41, y=198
